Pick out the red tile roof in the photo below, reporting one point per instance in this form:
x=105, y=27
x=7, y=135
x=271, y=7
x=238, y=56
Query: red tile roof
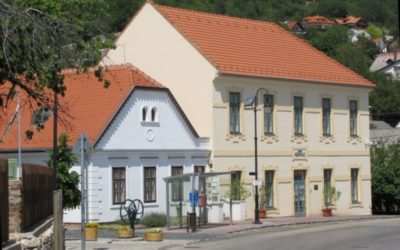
x=317, y=20
x=350, y=20
x=87, y=107
x=257, y=48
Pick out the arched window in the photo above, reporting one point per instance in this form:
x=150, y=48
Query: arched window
x=144, y=113
x=154, y=117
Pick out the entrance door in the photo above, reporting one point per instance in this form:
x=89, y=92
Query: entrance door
x=299, y=193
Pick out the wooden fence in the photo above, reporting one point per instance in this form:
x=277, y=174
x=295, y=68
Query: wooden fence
x=3, y=200
x=37, y=194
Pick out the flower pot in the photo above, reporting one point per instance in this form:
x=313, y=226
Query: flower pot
x=262, y=213
x=154, y=236
x=123, y=233
x=91, y=233
x=327, y=212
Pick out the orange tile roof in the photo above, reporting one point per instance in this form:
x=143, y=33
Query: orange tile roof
x=317, y=20
x=87, y=107
x=257, y=48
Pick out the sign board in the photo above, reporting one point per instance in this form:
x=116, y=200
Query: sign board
x=257, y=183
x=194, y=198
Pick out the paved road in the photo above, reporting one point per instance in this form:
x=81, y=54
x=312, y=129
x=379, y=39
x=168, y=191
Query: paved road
x=371, y=235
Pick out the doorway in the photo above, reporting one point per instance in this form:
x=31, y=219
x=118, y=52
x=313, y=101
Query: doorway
x=299, y=192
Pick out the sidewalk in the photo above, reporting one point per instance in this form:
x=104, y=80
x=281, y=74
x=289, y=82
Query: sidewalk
x=216, y=231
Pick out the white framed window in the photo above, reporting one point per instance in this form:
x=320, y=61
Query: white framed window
x=298, y=115
x=269, y=188
x=327, y=183
x=119, y=185
x=144, y=114
x=150, y=184
x=353, y=106
x=326, y=116
x=177, y=185
x=268, y=114
x=234, y=112
x=154, y=114
x=354, y=186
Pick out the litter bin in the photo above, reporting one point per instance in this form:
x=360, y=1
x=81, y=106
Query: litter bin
x=191, y=222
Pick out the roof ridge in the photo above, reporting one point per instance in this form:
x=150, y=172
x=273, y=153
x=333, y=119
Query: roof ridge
x=323, y=54
x=211, y=14
x=146, y=76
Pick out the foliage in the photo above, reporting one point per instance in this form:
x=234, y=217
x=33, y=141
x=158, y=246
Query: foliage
x=67, y=180
x=237, y=191
x=125, y=228
x=329, y=40
x=385, y=169
x=154, y=220
x=40, y=38
x=154, y=230
x=261, y=195
x=374, y=31
x=330, y=196
x=92, y=225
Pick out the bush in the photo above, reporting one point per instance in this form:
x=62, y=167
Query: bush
x=154, y=220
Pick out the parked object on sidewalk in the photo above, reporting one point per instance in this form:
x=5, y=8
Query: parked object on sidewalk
x=126, y=232
x=154, y=234
x=91, y=231
x=330, y=197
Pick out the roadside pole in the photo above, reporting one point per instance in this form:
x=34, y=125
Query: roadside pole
x=83, y=196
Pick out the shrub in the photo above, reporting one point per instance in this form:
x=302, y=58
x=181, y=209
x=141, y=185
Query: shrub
x=92, y=225
x=154, y=220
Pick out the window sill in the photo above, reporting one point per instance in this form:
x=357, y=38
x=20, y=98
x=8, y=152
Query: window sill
x=356, y=205
x=272, y=210
x=235, y=137
x=150, y=204
x=150, y=124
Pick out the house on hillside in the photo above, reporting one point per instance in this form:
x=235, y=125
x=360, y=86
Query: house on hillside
x=388, y=64
x=352, y=22
x=313, y=117
x=295, y=27
x=137, y=131
x=318, y=22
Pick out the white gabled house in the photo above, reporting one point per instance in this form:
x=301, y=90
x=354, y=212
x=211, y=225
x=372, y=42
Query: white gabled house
x=138, y=132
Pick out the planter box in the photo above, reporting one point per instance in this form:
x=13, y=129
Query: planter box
x=123, y=234
x=91, y=233
x=153, y=236
x=215, y=213
x=238, y=210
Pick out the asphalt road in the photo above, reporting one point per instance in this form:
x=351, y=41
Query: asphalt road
x=370, y=235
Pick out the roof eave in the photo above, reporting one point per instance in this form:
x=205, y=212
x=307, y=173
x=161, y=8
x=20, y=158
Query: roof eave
x=365, y=84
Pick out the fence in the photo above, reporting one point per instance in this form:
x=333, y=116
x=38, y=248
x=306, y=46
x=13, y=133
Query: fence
x=3, y=200
x=37, y=194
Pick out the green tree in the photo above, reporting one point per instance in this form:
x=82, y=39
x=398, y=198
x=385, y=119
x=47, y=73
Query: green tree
x=67, y=180
x=385, y=169
x=330, y=40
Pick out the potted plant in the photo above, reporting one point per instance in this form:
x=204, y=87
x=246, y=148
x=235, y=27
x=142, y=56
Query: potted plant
x=125, y=232
x=237, y=193
x=262, y=213
x=154, y=234
x=330, y=197
x=91, y=231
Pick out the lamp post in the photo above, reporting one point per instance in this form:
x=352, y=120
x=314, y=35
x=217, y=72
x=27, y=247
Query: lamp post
x=253, y=101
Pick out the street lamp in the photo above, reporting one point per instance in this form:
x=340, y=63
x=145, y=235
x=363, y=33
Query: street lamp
x=253, y=102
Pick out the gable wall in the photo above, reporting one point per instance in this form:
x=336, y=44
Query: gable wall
x=154, y=46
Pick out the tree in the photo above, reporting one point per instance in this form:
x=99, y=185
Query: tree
x=385, y=169
x=67, y=180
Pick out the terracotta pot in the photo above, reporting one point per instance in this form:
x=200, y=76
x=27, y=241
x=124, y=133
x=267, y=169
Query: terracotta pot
x=327, y=212
x=123, y=233
x=91, y=233
x=262, y=213
x=154, y=236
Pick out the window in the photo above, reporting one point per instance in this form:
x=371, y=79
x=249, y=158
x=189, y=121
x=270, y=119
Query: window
x=118, y=182
x=236, y=185
x=327, y=182
x=177, y=187
x=354, y=185
x=12, y=168
x=234, y=112
x=269, y=188
x=298, y=115
x=150, y=184
x=154, y=117
x=397, y=70
x=199, y=169
x=353, y=117
x=144, y=114
x=268, y=114
x=326, y=116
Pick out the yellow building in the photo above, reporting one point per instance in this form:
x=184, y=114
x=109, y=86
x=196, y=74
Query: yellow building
x=313, y=118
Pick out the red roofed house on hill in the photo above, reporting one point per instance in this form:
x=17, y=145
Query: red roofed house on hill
x=319, y=22
x=352, y=22
x=313, y=118
x=138, y=132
